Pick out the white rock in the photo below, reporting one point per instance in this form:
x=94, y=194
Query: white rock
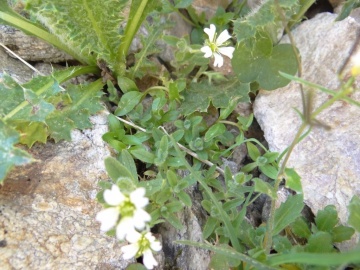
x=328, y=161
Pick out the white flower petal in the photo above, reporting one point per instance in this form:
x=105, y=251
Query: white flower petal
x=140, y=218
x=207, y=50
x=156, y=246
x=138, y=199
x=108, y=218
x=210, y=32
x=133, y=236
x=124, y=227
x=114, y=196
x=130, y=251
x=224, y=36
x=149, y=260
x=228, y=51
x=219, y=60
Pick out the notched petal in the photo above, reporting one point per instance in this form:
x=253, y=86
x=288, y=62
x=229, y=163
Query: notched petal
x=228, y=51
x=207, y=50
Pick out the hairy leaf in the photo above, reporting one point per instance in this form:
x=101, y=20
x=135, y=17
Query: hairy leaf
x=199, y=95
x=9, y=154
x=91, y=27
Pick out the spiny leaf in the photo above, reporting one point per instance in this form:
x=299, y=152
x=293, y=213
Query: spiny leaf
x=9, y=154
x=85, y=101
x=22, y=103
x=91, y=27
x=199, y=95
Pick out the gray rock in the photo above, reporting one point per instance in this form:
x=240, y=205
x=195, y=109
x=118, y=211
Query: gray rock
x=181, y=256
x=30, y=48
x=48, y=208
x=328, y=161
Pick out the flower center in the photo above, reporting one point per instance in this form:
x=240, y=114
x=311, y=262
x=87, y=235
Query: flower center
x=127, y=208
x=144, y=244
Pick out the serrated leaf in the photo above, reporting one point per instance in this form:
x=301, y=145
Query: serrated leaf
x=21, y=103
x=354, y=212
x=199, y=95
x=33, y=132
x=85, y=101
x=327, y=218
x=287, y=213
x=9, y=154
x=252, y=65
x=293, y=180
x=342, y=233
x=89, y=27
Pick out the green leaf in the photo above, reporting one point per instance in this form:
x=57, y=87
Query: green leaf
x=214, y=131
x=199, y=95
x=301, y=228
x=293, y=180
x=269, y=170
x=116, y=170
x=354, y=213
x=183, y=3
x=173, y=220
x=184, y=198
x=287, y=213
x=282, y=244
x=9, y=154
x=252, y=65
x=143, y=155
x=85, y=101
x=319, y=242
x=32, y=132
x=209, y=227
x=126, y=84
x=346, y=9
x=113, y=93
x=128, y=102
x=128, y=162
x=265, y=188
x=172, y=178
x=327, y=218
x=342, y=233
x=136, y=266
x=162, y=152
x=24, y=102
x=253, y=151
x=89, y=27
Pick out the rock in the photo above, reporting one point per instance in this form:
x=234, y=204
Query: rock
x=30, y=48
x=48, y=208
x=182, y=256
x=328, y=161
x=209, y=7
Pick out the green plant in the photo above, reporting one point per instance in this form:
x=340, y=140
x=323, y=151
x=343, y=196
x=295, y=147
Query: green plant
x=163, y=139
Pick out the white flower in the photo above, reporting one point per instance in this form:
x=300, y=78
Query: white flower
x=126, y=211
x=355, y=62
x=214, y=46
x=142, y=244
